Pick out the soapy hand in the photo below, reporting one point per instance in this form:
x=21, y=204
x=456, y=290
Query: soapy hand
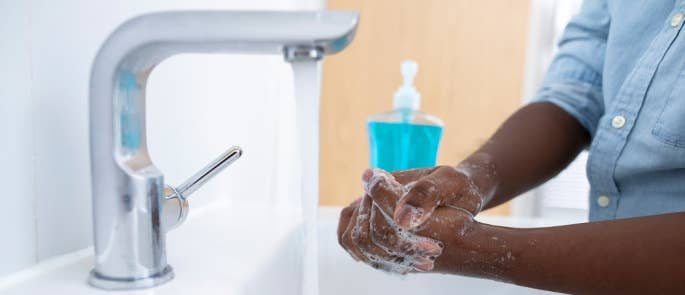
x=430, y=188
x=369, y=233
x=382, y=245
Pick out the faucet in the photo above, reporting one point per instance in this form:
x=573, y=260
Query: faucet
x=132, y=206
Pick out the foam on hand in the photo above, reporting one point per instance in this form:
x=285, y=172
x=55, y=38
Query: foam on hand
x=412, y=257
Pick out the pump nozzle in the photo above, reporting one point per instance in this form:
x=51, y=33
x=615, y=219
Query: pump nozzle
x=409, y=68
x=406, y=97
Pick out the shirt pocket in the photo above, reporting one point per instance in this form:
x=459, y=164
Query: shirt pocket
x=670, y=124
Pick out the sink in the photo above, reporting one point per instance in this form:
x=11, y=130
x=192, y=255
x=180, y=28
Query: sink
x=226, y=249
x=221, y=249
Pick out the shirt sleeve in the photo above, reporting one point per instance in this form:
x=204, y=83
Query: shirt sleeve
x=574, y=78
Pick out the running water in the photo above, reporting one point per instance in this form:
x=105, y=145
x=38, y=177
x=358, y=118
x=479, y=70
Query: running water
x=307, y=92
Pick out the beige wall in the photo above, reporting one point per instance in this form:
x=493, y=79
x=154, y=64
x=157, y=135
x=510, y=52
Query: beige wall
x=471, y=59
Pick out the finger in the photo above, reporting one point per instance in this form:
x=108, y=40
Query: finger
x=421, y=265
x=397, y=241
x=406, y=177
x=443, y=185
x=347, y=242
x=377, y=256
x=383, y=189
x=390, y=267
x=345, y=216
x=399, y=260
x=359, y=230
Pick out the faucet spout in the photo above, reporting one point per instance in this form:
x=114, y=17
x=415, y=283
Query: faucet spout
x=127, y=189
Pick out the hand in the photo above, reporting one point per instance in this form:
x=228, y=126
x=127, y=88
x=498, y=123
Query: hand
x=468, y=186
x=444, y=243
x=367, y=231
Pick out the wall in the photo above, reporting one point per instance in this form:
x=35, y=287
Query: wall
x=17, y=221
x=471, y=57
x=198, y=106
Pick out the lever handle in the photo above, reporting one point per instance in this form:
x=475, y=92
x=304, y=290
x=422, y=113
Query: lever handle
x=175, y=208
x=212, y=169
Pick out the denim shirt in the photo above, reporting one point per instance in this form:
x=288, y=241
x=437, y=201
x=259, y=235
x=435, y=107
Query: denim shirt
x=620, y=71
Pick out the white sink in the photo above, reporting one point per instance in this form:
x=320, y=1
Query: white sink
x=221, y=249
x=224, y=249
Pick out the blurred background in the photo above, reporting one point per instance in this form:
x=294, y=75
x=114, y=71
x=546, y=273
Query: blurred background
x=478, y=62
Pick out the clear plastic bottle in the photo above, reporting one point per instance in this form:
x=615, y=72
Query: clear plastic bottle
x=404, y=138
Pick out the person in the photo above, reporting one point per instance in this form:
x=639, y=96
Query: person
x=617, y=88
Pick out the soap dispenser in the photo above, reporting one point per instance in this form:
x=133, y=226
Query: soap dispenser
x=404, y=138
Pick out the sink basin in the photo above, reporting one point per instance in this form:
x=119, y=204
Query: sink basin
x=229, y=249
x=221, y=249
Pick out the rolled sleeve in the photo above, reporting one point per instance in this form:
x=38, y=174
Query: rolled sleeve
x=574, y=79
x=576, y=90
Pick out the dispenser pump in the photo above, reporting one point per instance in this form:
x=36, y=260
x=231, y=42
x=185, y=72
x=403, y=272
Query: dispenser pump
x=407, y=97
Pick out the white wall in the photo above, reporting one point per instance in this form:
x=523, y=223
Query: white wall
x=198, y=105
x=17, y=221
x=565, y=196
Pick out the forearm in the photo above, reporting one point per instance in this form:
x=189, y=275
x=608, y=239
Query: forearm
x=639, y=255
x=530, y=147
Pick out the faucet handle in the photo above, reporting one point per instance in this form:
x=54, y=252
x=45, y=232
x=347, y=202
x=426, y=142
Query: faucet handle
x=175, y=209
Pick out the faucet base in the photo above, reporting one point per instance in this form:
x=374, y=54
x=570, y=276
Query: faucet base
x=107, y=283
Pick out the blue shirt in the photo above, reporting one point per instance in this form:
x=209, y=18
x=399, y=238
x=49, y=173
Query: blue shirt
x=620, y=71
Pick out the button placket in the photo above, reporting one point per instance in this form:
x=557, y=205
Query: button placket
x=629, y=100
x=614, y=129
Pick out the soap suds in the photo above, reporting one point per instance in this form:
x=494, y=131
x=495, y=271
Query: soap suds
x=406, y=255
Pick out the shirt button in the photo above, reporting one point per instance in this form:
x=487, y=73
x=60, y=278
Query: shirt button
x=677, y=19
x=618, y=121
x=603, y=201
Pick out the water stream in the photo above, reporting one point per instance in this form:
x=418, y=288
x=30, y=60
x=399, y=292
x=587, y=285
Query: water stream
x=307, y=94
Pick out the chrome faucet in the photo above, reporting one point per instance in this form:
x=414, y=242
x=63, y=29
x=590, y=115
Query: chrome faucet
x=132, y=207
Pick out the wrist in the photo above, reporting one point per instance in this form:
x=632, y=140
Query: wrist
x=480, y=169
x=482, y=251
